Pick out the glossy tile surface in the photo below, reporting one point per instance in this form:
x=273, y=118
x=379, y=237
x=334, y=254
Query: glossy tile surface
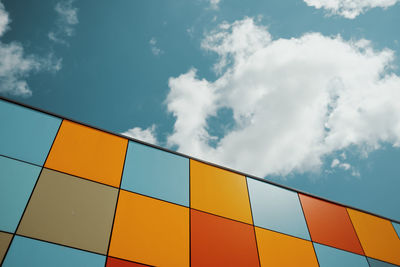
x=17, y=180
x=113, y=262
x=277, y=249
x=156, y=173
x=219, y=192
x=70, y=211
x=34, y=253
x=150, y=231
x=16, y=122
x=277, y=209
x=330, y=224
x=377, y=236
x=217, y=241
x=332, y=257
x=88, y=153
x=5, y=239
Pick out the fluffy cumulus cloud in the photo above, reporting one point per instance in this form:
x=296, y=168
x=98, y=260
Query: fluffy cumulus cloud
x=349, y=8
x=16, y=66
x=67, y=19
x=146, y=135
x=293, y=101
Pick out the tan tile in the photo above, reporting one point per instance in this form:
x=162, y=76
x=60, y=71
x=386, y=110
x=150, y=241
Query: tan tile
x=71, y=211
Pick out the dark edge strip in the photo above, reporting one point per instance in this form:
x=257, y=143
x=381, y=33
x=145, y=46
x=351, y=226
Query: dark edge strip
x=190, y=157
x=30, y=196
x=308, y=229
x=252, y=219
x=116, y=203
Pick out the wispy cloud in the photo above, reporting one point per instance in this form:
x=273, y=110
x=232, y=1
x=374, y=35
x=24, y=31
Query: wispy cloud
x=349, y=8
x=146, y=135
x=214, y=4
x=16, y=66
x=293, y=101
x=66, y=21
x=153, y=46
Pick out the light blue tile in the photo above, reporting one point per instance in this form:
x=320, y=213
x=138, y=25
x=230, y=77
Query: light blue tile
x=17, y=180
x=29, y=252
x=332, y=257
x=26, y=134
x=396, y=228
x=156, y=173
x=376, y=263
x=277, y=209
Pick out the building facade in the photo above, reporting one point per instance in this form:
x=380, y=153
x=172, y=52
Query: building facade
x=74, y=195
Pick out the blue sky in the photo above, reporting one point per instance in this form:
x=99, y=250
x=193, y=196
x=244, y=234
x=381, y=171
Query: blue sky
x=303, y=92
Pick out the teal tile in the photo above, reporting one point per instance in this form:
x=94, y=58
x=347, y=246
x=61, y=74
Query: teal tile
x=277, y=209
x=376, y=263
x=26, y=134
x=156, y=173
x=332, y=257
x=396, y=228
x=17, y=180
x=29, y=252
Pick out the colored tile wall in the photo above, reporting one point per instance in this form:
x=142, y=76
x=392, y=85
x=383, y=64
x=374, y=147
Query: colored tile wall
x=72, y=195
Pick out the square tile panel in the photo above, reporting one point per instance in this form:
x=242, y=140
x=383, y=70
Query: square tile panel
x=156, y=173
x=277, y=249
x=35, y=253
x=88, y=153
x=332, y=257
x=70, y=211
x=330, y=224
x=277, y=209
x=5, y=239
x=150, y=231
x=219, y=192
x=113, y=262
x=17, y=180
x=216, y=241
x=376, y=263
x=16, y=122
x=377, y=236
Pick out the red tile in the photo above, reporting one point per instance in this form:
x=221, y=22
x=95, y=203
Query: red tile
x=113, y=262
x=330, y=224
x=216, y=241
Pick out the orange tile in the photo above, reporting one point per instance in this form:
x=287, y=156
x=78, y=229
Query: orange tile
x=277, y=249
x=88, y=153
x=329, y=224
x=113, y=262
x=219, y=192
x=150, y=231
x=377, y=236
x=216, y=241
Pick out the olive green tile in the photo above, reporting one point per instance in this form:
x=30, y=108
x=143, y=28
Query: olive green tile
x=71, y=211
x=5, y=239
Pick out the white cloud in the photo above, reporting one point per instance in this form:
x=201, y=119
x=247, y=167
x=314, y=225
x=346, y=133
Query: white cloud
x=67, y=19
x=147, y=135
x=16, y=66
x=153, y=46
x=214, y=4
x=334, y=163
x=349, y=8
x=294, y=101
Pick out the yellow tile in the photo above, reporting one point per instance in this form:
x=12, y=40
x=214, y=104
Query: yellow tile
x=88, y=153
x=377, y=236
x=150, y=231
x=277, y=249
x=219, y=192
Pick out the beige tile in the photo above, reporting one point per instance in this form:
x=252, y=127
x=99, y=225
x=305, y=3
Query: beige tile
x=71, y=211
x=5, y=239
